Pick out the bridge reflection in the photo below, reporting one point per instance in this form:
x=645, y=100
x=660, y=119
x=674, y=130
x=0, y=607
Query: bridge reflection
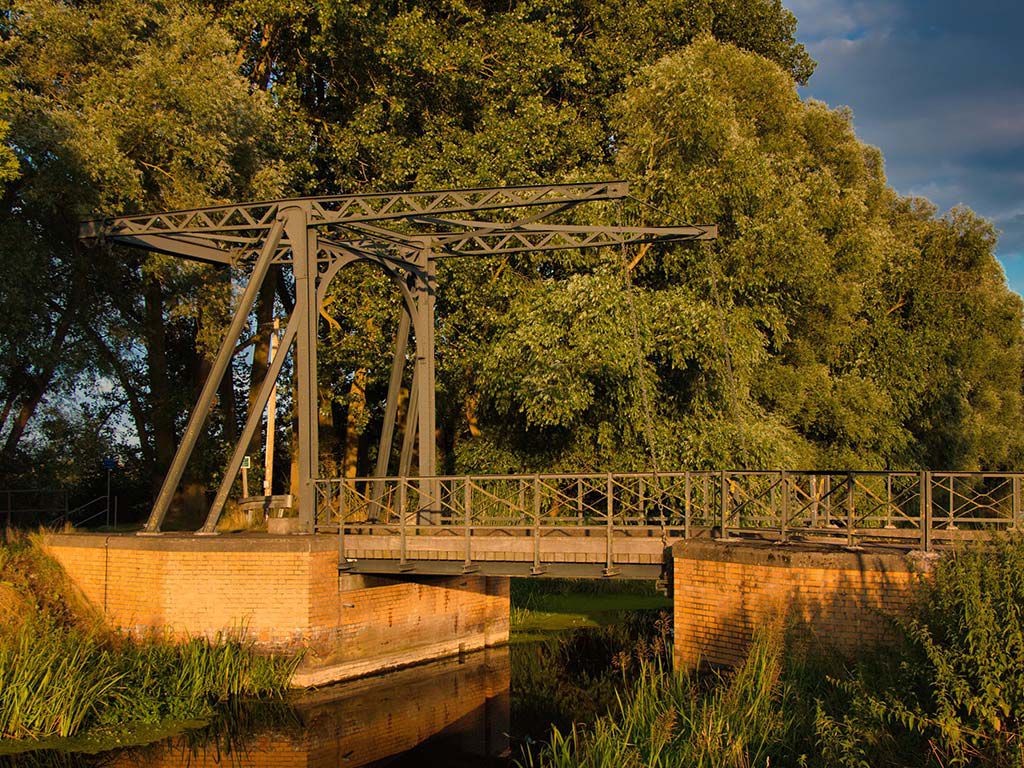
x=451, y=713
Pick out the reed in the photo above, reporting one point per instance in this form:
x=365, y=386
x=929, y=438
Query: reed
x=667, y=719
x=62, y=673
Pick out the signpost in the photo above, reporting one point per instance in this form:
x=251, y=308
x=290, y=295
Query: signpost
x=110, y=464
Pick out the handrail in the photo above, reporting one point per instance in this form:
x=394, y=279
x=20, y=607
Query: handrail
x=852, y=508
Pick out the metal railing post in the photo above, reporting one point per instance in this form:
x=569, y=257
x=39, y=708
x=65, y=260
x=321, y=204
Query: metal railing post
x=1016, y=503
x=536, y=570
x=926, y=511
x=851, y=503
x=402, y=515
x=609, y=569
x=784, y=479
x=579, y=499
x=342, y=560
x=813, y=482
x=723, y=503
x=686, y=505
x=467, y=506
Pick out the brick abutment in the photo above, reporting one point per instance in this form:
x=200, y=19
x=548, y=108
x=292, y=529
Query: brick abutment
x=285, y=594
x=844, y=600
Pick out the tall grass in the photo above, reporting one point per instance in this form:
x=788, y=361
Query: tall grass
x=61, y=672
x=948, y=692
x=56, y=681
x=677, y=720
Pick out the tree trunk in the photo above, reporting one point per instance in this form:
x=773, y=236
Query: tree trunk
x=161, y=408
x=40, y=383
x=355, y=423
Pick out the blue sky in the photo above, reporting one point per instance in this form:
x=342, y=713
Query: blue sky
x=939, y=86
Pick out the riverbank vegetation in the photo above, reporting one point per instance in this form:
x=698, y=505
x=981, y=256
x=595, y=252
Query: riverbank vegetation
x=62, y=673
x=949, y=691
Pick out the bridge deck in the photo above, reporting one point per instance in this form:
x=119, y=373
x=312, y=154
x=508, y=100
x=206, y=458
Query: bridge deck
x=621, y=524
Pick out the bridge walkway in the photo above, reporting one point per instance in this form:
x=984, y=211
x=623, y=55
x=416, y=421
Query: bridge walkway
x=621, y=524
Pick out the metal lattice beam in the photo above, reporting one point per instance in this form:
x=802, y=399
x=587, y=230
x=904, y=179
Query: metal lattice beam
x=405, y=233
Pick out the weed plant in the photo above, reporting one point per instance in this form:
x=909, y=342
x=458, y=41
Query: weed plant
x=62, y=673
x=949, y=691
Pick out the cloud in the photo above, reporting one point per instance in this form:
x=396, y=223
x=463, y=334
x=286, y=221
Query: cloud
x=938, y=86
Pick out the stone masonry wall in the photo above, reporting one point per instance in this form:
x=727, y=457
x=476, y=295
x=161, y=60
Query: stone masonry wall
x=724, y=591
x=284, y=593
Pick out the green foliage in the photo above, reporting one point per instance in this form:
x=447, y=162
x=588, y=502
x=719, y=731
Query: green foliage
x=667, y=719
x=959, y=686
x=948, y=692
x=833, y=323
x=61, y=673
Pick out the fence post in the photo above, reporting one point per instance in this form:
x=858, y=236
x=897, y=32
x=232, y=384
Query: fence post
x=1016, y=503
x=467, y=502
x=402, y=501
x=342, y=560
x=926, y=510
x=609, y=569
x=536, y=570
x=784, y=479
x=851, y=503
x=813, y=482
x=686, y=506
x=579, y=500
x=723, y=503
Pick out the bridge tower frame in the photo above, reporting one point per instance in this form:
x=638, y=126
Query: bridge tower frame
x=403, y=233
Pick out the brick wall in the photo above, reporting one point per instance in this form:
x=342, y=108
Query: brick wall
x=724, y=591
x=284, y=593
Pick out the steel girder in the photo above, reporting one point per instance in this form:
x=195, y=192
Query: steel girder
x=405, y=233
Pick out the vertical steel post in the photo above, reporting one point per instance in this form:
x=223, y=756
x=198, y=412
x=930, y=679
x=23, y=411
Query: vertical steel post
x=426, y=286
x=813, y=482
x=342, y=561
x=724, y=506
x=220, y=364
x=304, y=268
x=467, y=501
x=784, y=479
x=609, y=569
x=926, y=511
x=536, y=570
x=686, y=505
x=579, y=500
x=1016, y=503
x=888, y=500
x=402, y=490
x=850, y=507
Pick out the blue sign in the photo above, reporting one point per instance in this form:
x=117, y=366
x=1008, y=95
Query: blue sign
x=110, y=463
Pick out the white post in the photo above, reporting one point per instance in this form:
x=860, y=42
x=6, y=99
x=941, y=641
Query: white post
x=268, y=460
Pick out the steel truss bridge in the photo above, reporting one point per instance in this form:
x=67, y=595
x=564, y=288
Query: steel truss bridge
x=404, y=234
x=620, y=524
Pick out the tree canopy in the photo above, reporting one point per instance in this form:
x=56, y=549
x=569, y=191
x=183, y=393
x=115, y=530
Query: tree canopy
x=834, y=323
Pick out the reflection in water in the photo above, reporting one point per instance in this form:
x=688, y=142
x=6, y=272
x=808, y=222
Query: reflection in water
x=454, y=713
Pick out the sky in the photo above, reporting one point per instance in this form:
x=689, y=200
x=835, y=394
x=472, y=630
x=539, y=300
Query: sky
x=938, y=86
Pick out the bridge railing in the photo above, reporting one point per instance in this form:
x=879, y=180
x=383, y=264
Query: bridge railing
x=918, y=509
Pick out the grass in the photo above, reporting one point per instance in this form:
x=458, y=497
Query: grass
x=948, y=691
x=63, y=673
x=542, y=606
x=678, y=720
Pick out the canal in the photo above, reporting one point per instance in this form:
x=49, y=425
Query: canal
x=573, y=647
